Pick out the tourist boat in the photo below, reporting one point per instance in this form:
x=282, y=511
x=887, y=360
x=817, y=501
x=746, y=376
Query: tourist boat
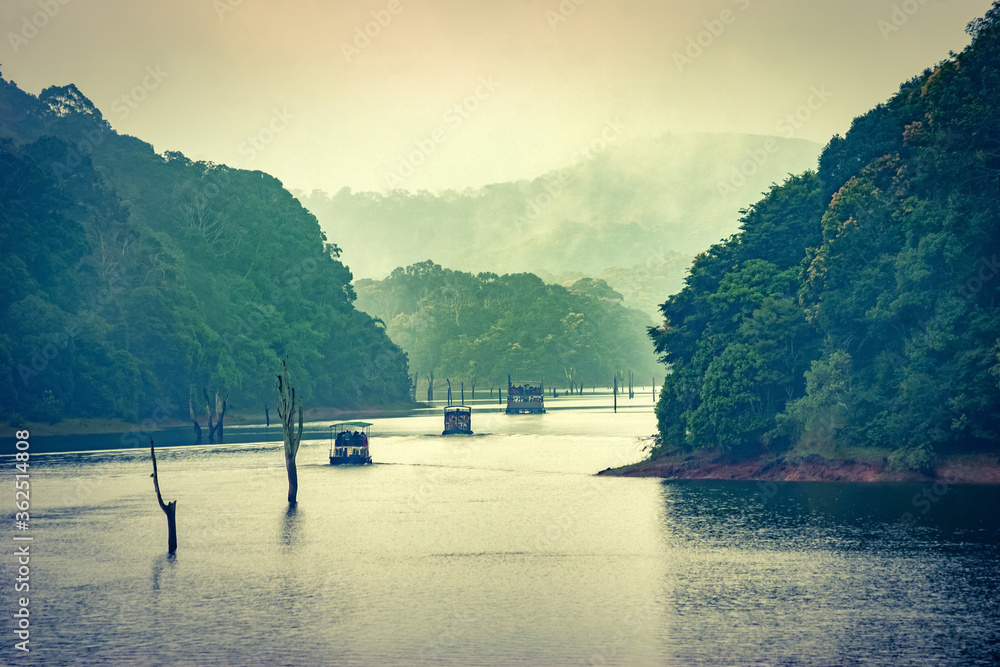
x=525, y=398
x=349, y=443
x=457, y=420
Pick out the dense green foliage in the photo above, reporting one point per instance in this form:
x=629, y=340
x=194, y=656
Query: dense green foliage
x=859, y=304
x=480, y=328
x=130, y=280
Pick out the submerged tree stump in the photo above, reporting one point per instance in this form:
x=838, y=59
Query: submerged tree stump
x=220, y=415
x=170, y=509
x=288, y=404
x=194, y=420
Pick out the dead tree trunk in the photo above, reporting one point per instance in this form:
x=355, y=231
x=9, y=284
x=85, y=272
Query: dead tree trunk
x=293, y=477
x=170, y=509
x=288, y=405
x=267, y=416
x=220, y=415
x=430, y=387
x=197, y=426
x=220, y=411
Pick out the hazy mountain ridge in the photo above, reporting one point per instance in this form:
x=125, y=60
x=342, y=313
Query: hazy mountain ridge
x=635, y=203
x=643, y=286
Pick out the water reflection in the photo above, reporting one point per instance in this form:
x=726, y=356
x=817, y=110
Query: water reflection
x=159, y=563
x=817, y=572
x=291, y=525
x=508, y=551
x=808, y=514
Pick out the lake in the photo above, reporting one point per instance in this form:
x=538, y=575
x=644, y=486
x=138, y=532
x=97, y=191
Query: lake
x=500, y=548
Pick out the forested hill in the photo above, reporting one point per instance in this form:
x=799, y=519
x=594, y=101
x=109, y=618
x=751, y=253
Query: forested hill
x=479, y=328
x=859, y=304
x=130, y=281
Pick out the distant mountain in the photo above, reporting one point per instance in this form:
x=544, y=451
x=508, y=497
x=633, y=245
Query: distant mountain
x=131, y=281
x=634, y=204
x=643, y=286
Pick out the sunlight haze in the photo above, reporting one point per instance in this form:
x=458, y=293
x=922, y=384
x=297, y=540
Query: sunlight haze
x=560, y=71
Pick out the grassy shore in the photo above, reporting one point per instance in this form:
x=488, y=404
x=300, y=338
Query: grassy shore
x=859, y=465
x=100, y=426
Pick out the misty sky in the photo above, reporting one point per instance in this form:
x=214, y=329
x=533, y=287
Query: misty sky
x=533, y=83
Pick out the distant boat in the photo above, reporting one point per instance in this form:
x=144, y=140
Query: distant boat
x=349, y=443
x=457, y=420
x=526, y=397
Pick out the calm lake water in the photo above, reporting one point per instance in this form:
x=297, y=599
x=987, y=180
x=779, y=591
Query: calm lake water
x=496, y=549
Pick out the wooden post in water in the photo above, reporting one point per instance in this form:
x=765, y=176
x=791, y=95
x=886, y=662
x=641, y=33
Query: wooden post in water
x=170, y=509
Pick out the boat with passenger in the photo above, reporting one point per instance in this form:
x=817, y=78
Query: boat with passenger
x=525, y=397
x=349, y=443
x=457, y=420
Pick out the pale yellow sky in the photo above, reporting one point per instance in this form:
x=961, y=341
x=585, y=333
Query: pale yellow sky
x=263, y=85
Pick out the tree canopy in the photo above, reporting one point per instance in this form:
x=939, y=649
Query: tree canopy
x=131, y=280
x=480, y=328
x=860, y=303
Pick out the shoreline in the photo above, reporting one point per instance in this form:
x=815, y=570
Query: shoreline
x=97, y=426
x=713, y=465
